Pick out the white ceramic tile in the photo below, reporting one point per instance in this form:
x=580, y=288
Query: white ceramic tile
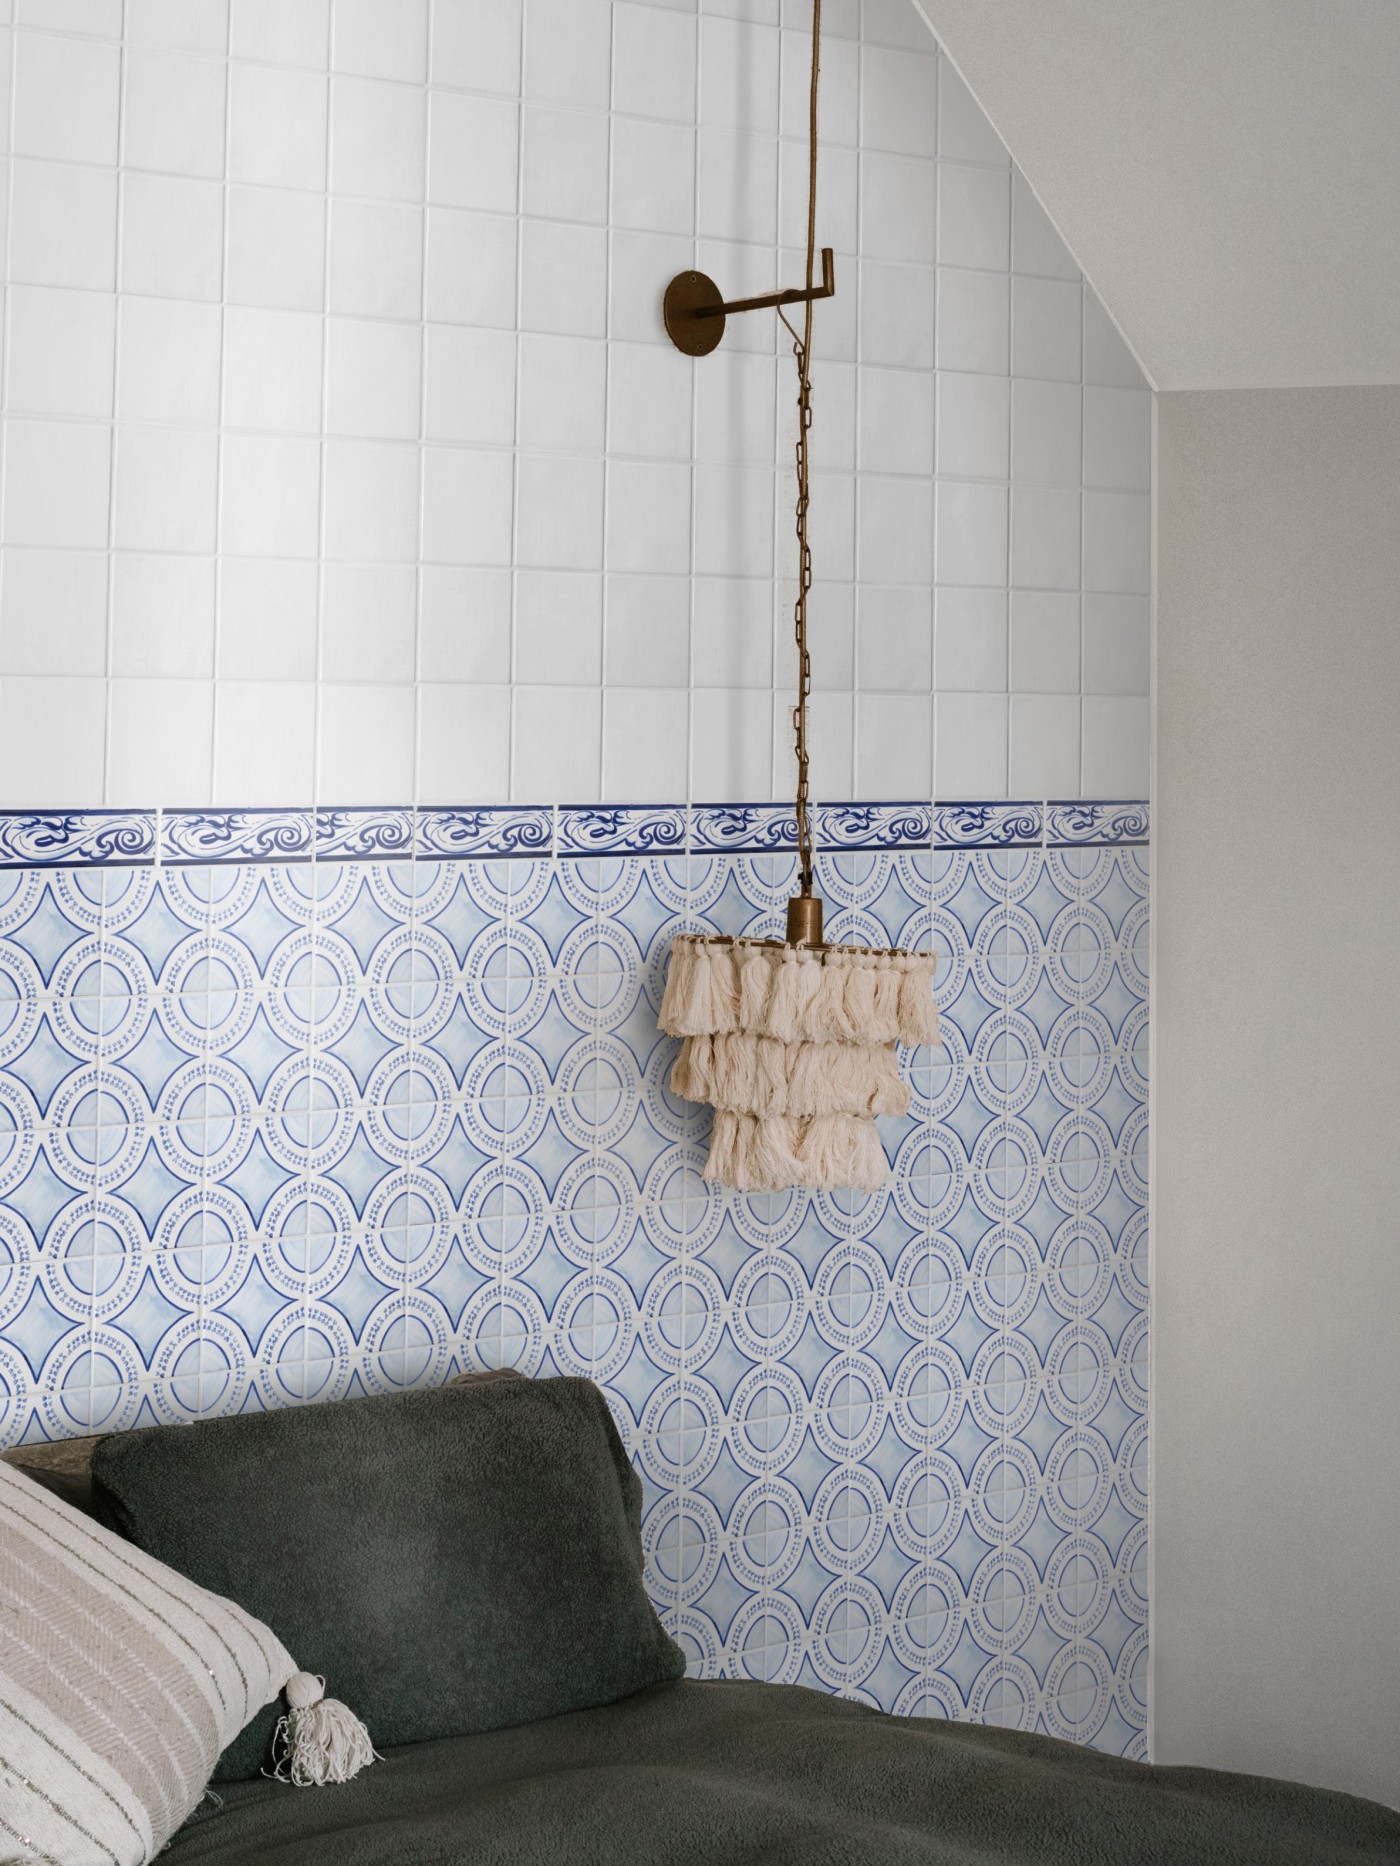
x=168, y=367
x=1116, y=747
x=369, y=622
x=160, y=742
x=1045, y=329
x=832, y=752
x=896, y=421
x=373, y=379
x=831, y=632
x=646, y=631
x=63, y=225
x=736, y=408
x=645, y=745
x=463, y=744
x=197, y=25
x=893, y=745
x=1107, y=359
x=732, y=632
x=648, y=523
x=738, y=76
x=974, y=422
x=172, y=236
x=276, y=249
x=269, y=496
x=974, y=216
x=376, y=259
x=277, y=126
x=744, y=270
x=899, y=101
x=973, y=321
x=473, y=152
x=471, y=268
x=568, y=53
x=1118, y=439
x=366, y=744
x=1036, y=247
x=66, y=94
x=894, y=640
x=1117, y=541
x=101, y=19
x=267, y=620
x=377, y=139
x=279, y=34
x=833, y=537
x=831, y=439
x=564, y=160
x=468, y=505
x=162, y=617
x=896, y=315
x=381, y=38
x=264, y=743
x=470, y=384
x=272, y=370
x=1044, y=759
x=734, y=521
x=970, y=745
x=61, y=351
x=52, y=740
x=649, y=401
x=1045, y=432
x=839, y=92
x=964, y=134
x=654, y=63
x=1045, y=649
x=558, y=628
x=838, y=211
x=53, y=612
x=1117, y=655
x=970, y=647
x=475, y=44
x=559, y=512
x=563, y=393
x=556, y=744
x=563, y=278
x=464, y=626
x=737, y=186
x=370, y=501
x=653, y=176
x=971, y=525
x=897, y=207
x=1045, y=537
x=641, y=267
x=731, y=744
x=173, y=119
x=57, y=476
x=895, y=530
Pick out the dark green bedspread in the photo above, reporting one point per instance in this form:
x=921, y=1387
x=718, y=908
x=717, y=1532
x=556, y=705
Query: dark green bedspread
x=732, y=1773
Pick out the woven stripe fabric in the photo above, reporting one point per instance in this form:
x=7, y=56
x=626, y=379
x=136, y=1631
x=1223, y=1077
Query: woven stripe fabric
x=120, y=1683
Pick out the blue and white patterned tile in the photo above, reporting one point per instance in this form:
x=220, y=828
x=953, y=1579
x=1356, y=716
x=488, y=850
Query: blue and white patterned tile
x=987, y=825
x=1068, y=825
x=901, y=826
x=739, y=828
x=76, y=838
x=636, y=829
x=208, y=836
x=516, y=830
x=367, y=835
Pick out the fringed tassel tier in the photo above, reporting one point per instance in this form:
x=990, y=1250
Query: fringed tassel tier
x=793, y=1047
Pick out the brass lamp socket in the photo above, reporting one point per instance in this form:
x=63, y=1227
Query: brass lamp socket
x=804, y=920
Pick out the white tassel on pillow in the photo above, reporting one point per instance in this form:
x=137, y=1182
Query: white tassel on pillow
x=319, y=1740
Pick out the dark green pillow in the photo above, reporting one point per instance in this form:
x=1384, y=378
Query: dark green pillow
x=451, y=1561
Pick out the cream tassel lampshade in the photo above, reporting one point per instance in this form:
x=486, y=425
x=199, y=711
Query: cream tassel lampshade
x=792, y=1044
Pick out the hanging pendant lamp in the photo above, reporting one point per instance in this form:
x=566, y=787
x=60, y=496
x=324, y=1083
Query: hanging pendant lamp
x=792, y=1042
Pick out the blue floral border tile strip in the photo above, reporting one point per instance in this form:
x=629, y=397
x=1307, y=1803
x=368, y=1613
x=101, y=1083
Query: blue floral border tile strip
x=504, y=830
x=741, y=828
x=1073, y=825
x=987, y=825
x=634, y=829
x=76, y=838
x=204, y=836
x=364, y=835
x=842, y=826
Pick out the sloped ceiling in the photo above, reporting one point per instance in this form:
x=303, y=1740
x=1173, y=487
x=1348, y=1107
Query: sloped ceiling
x=1227, y=172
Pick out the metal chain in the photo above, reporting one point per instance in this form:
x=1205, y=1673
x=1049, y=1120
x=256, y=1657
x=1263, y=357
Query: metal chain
x=802, y=350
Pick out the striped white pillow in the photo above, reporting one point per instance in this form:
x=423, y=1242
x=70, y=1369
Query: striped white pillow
x=120, y=1683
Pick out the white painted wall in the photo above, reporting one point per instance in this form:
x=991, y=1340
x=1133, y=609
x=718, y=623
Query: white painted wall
x=345, y=457
x=1276, y=1105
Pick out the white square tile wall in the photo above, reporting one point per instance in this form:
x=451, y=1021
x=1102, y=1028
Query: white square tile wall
x=345, y=456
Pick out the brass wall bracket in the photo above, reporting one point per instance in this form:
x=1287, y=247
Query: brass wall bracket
x=695, y=311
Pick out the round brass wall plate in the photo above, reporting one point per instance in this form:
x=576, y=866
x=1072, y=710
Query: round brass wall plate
x=688, y=293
